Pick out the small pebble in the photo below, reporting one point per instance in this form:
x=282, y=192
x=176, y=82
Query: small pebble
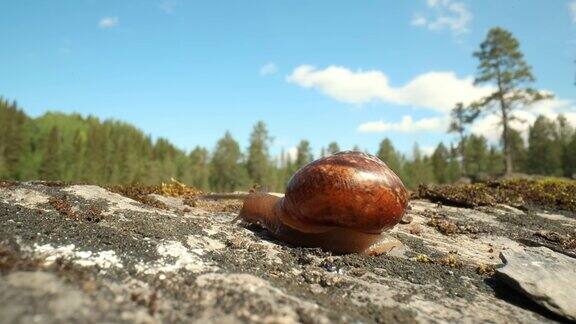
x=407, y=219
x=330, y=267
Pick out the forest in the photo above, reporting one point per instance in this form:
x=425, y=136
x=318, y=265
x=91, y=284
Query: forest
x=73, y=148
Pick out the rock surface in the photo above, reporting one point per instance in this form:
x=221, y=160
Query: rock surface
x=84, y=254
x=547, y=277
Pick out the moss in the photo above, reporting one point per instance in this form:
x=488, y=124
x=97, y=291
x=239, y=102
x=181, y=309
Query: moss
x=8, y=183
x=549, y=193
x=485, y=270
x=142, y=193
x=62, y=205
x=446, y=226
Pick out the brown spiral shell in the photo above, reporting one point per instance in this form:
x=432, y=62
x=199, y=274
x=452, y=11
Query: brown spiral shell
x=349, y=189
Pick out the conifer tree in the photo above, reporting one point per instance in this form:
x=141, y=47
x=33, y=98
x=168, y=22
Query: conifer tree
x=333, y=147
x=517, y=150
x=419, y=170
x=226, y=170
x=570, y=162
x=544, y=153
x=199, y=171
x=460, y=117
x=387, y=153
x=440, y=163
x=303, y=154
x=77, y=161
x=51, y=159
x=502, y=64
x=476, y=152
x=565, y=131
x=494, y=165
x=454, y=172
x=258, y=162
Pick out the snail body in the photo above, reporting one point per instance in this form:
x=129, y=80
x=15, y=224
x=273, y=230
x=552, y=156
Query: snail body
x=341, y=203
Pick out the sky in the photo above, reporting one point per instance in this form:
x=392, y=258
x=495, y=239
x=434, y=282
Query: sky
x=351, y=71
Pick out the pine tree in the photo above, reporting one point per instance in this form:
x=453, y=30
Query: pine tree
x=199, y=168
x=570, y=162
x=51, y=159
x=419, y=170
x=565, y=132
x=517, y=150
x=388, y=154
x=440, y=163
x=226, y=170
x=460, y=117
x=258, y=162
x=303, y=154
x=502, y=64
x=77, y=161
x=14, y=134
x=494, y=164
x=476, y=152
x=454, y=172
x=333, y=147
x=544, y=153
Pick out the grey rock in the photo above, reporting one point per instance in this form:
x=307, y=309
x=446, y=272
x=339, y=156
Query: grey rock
x=136, y=263
x=545, y=276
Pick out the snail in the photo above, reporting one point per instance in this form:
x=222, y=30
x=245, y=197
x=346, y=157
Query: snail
x=341, y=203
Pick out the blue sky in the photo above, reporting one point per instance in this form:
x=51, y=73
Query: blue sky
x=350, y=71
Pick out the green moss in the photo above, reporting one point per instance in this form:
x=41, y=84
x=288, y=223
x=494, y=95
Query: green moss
x=549, y=193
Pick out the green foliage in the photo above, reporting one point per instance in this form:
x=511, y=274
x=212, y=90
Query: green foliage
x=333, y=147
x=517, y=150
x=476, y=153
x=258, y=163
x=388, y=154
x=570, y=160
x=501, y=63
x=303, y=154
x=14, y=132
x=419, y=170
x=198, y=175
x=454, y=171
x=565, y=133
x=440, y=163
x=50, y=169
x=494, y=164
x=544, y=153
x=227, y=172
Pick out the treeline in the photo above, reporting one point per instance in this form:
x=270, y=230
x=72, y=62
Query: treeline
x=550, y=150
x=73, y=148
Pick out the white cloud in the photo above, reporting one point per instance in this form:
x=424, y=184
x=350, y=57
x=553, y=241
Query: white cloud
x=572, y=8
x=406, y=125
x=445, y=14
x=268, y=69
x=108, y=22
x=439, y=91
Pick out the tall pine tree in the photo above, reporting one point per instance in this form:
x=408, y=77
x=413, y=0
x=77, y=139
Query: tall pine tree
x=502, y=64
x=258, y=162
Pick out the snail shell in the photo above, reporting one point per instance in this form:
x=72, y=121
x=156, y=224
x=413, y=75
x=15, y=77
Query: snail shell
x=340, y=203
